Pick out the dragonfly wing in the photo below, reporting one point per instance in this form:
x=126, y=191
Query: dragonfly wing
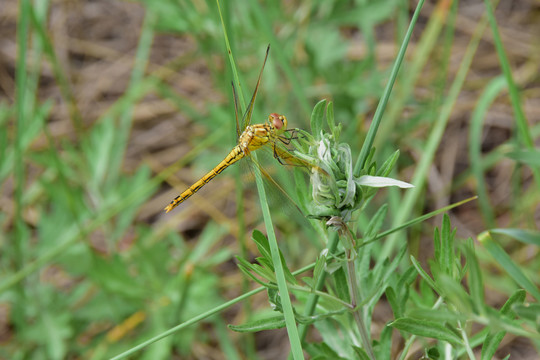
x=272, y=185
x=246, y=120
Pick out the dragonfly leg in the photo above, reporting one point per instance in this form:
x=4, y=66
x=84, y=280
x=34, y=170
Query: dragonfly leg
x=285, y=140
x=293, y=135
x=278, y=158
x=276, y=155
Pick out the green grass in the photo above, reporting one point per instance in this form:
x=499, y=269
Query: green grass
x=110, y=119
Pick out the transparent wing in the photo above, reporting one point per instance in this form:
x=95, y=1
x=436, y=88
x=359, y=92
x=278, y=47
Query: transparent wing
x=246, y=120
x=275, y=190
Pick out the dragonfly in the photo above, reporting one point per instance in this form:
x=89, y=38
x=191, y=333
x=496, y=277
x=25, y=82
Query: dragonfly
x=272, y=133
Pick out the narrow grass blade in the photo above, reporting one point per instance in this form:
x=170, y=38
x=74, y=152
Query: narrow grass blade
x=377, y=117
x=525, y=236
x=503, y=259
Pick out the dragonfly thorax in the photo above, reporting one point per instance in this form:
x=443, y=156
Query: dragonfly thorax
x=278, y=122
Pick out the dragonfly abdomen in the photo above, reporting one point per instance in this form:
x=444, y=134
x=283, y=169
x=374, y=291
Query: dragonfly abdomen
x=236, y=154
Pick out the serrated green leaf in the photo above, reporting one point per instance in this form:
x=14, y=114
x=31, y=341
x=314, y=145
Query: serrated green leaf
x=476, y=284
x=428, y=329
x=248, y=268
x=262, y=244
x=274, y=298
x=447, y=254
x=250, y=275
x=265, y=263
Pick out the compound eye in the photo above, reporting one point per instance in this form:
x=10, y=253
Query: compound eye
x=276, y=120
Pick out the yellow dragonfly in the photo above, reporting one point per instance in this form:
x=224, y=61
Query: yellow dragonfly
x=250, y=138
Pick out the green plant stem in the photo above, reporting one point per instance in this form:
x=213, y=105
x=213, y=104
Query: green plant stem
x=355, y=300
x=350, y=255
x=314, y=298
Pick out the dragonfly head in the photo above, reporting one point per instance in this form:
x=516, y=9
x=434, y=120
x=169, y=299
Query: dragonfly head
x=279, y=122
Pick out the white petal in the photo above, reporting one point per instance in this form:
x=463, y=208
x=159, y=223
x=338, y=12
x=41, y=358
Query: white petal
x=380, y=181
